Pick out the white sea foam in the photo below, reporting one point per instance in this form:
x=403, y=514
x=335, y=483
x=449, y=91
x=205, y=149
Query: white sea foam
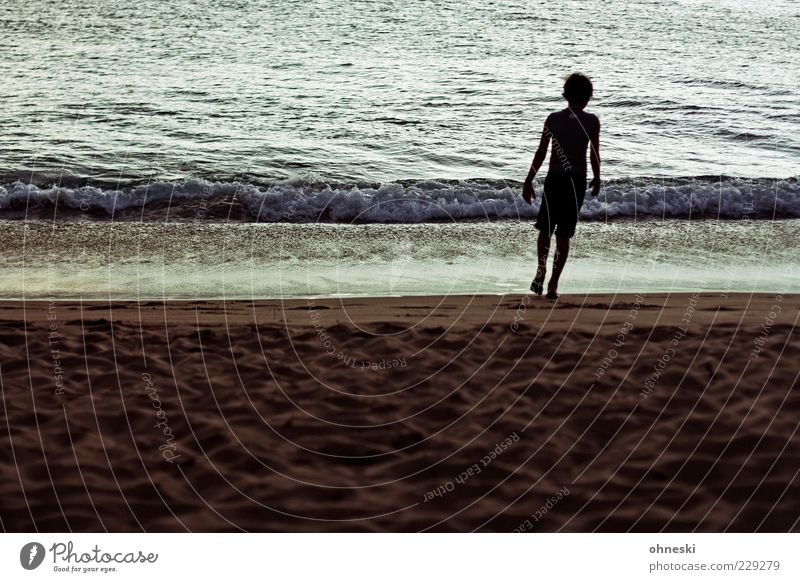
x=423, y=201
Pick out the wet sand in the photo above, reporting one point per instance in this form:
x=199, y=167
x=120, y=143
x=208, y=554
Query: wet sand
x=492, y=413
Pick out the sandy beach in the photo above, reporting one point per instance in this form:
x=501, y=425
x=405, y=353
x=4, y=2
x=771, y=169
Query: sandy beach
x=444, y=413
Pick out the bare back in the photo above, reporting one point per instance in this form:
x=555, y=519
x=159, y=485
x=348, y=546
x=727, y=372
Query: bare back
x=570, y=131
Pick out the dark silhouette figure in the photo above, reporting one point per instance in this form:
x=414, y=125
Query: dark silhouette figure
x=571, y=131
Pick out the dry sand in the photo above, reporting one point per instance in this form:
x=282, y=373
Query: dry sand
x=472, y=413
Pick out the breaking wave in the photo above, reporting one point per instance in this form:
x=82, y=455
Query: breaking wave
x=410, y=201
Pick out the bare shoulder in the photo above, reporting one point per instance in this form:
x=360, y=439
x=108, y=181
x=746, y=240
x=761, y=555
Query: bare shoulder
x=553, y=118
x=549, y=123
x=595, y=121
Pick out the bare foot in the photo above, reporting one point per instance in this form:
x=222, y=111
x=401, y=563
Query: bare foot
x=552, y=291
x=538, y=282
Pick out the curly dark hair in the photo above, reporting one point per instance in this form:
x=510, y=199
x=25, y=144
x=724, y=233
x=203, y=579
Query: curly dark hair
x=578, y=88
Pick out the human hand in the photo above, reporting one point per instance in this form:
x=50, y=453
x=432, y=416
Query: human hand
x=528, y=193
x=595, y=186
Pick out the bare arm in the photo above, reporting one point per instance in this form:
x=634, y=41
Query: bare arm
x=541, y=154
x=594, y=158
x=538, y=160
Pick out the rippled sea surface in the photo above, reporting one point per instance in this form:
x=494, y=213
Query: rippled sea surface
x=382, y=91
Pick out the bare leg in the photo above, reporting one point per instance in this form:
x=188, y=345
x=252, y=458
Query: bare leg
x=543, y=248
x=559, y=260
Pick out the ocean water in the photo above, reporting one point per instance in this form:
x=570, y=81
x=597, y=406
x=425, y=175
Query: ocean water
x=383, y=91
x=278, y=121
x=145, y=260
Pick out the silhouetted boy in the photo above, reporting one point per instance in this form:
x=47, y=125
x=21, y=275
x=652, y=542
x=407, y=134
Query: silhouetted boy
x=571, y=130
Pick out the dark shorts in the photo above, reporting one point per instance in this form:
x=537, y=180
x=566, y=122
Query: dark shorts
x=561, y=204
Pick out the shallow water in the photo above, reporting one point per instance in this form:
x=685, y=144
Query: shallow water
x=145, y=260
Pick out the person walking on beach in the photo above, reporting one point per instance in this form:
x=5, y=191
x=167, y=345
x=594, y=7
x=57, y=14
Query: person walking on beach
x=571, y=131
